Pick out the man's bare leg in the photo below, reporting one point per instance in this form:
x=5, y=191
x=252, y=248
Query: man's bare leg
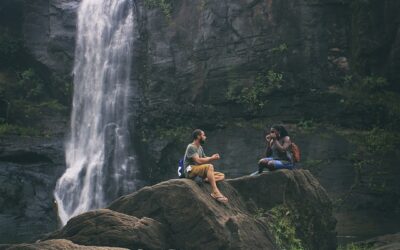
x=211, y=180
x=218, y=177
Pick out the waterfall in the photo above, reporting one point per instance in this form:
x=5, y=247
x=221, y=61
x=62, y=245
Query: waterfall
x=100, y=166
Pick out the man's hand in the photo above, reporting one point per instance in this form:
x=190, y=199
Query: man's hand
x=215, y=157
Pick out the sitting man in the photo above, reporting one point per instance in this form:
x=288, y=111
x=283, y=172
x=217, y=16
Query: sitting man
x=278, y=151
x=196, y=163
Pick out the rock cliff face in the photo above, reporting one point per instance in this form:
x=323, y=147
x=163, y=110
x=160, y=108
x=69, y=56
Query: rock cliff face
x=181, y=214
x=56, y=245
x=49, y=29
x=29, y=169
x=190, y=54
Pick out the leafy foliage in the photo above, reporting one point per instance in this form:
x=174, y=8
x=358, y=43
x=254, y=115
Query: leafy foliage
x=306, y=125
x=10, y=46
x=280, y=48
x=28, y=98
x=164, y=5
x=354, y=246
x=283, y=227
x=9, y=129
x=372, y=149
x=30, y=86
x=255, y=97
x=371, y=100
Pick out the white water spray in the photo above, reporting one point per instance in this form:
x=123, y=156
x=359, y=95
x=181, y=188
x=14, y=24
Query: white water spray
x=99, y=164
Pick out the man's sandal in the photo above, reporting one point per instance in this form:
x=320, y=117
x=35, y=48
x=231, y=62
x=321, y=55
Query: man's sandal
x=221, y=198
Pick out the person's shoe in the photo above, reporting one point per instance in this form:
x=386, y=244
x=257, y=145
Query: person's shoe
x=220, y=198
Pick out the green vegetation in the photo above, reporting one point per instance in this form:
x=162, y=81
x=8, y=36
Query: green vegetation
x=353, y=246
x=27, y=98
x=372, y=156
x=314, y=164
x=28, y=93
x=164, y=5
x=29, y=86
x=282, y=48
x=283, y=227
x=306, y=125
x=179, y=134
x=371, y=101
x=7, y=129
x=10, y=47
x=254, y=97
x=260, y=212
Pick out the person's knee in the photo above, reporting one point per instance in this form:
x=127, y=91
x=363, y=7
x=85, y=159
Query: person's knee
x=271, y=165
x=210, y=167
x=263, y=163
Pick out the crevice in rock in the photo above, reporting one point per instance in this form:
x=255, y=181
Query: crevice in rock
x=24, y=157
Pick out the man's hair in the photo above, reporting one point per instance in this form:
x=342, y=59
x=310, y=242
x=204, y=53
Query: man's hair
x=196, y=133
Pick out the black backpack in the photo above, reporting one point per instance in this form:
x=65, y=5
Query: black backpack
x=181, y=169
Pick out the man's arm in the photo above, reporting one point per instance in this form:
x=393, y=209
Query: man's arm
x=205, y=160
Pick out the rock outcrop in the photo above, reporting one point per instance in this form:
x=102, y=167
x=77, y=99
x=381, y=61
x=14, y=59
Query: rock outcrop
x=181, y=214
x=108, y=228
x=29, y=168
x=49, y=29
x=56, y=245
x=302, y=194
x=191, y=53
x=384, y=242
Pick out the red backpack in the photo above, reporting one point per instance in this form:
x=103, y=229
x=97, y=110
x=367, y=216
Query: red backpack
x=296, y=152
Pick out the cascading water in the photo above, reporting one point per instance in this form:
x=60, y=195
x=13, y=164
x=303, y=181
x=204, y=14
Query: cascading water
x=99, y=164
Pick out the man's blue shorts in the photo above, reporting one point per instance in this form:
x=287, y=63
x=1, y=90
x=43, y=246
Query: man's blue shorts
x=279, y=164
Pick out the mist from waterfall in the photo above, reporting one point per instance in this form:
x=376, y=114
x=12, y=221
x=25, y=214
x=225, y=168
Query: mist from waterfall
x=100, y=166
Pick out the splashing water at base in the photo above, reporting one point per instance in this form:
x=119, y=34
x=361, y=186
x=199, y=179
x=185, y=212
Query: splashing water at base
x=99, y=164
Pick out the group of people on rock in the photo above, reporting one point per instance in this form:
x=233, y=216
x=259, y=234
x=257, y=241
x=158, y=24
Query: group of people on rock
x=197, y=164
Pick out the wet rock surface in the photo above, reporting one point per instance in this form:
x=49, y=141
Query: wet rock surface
x=55, y=245
x=29, y=168
x=181, y=214
x=108, y=228
x=191, y=213
x=186, y=64
x=49, y=28
x=305, y=197
x=384, y=242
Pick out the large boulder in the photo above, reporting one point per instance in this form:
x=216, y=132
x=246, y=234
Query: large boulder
x=274, y=210
x=194, y=218
x=56, y=245
x=191, y=213
x=302, y=194
x=108, y=228
x=384, y=242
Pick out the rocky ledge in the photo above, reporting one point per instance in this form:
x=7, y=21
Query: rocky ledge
x=29, y=169
x=271, y=211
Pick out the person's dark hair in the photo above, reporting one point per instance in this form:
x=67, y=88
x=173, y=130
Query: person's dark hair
x=196, y=133
x=281, y=129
